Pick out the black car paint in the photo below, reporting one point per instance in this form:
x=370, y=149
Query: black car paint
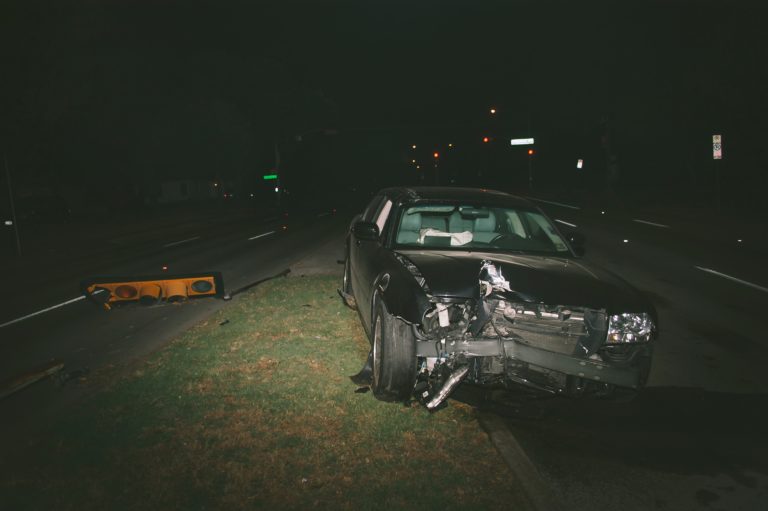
x=382, y=276
x=541, y=279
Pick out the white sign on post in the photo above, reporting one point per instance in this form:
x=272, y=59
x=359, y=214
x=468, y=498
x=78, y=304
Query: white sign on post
x=579, y=164
x=522, y=141
x=717, y=147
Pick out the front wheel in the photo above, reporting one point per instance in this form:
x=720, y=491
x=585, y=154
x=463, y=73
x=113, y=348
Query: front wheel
x=394, y=357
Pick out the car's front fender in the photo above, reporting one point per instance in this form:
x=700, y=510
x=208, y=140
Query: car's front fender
x=402, y=295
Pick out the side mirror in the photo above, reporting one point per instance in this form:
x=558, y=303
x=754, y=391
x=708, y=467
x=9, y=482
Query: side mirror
x=576, y=239
x=366, y=231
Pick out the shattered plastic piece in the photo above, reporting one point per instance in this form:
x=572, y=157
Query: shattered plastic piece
x=493, y=277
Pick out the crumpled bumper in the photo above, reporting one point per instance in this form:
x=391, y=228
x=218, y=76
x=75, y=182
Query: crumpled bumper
x=528, y=364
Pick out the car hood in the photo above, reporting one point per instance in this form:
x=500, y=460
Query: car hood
x=549, y=280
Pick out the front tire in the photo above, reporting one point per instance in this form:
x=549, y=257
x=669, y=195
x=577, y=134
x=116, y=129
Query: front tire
x=394, y=357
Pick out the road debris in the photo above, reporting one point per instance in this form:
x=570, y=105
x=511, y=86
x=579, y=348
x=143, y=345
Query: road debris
x=16, y=383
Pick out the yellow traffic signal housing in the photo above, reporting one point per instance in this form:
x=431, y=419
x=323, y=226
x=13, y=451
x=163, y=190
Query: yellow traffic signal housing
x=152, y=289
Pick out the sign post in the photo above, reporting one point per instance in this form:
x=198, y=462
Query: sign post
x=717, y=154
x=13, y=206
x=531, y=152
x=717, y=147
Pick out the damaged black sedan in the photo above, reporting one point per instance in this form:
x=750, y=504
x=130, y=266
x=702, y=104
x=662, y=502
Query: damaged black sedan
x=456, y=284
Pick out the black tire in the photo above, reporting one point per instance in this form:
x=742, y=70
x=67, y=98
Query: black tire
x=394, y=356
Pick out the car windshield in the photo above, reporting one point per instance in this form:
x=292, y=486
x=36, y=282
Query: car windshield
x=472, y=227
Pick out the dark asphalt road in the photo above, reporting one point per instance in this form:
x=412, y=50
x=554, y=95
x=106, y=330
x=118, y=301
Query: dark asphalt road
x=86, y=338
x=695, y=438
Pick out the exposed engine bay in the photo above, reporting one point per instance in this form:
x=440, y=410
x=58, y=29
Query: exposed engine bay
x=506, y=337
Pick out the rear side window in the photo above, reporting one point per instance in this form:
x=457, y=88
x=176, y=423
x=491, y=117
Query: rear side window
x=381, y=219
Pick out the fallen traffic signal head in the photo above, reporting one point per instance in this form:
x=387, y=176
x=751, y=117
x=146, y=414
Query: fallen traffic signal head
x=152, y=289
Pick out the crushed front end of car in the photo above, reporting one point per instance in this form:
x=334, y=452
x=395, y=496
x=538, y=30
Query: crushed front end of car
x=503, y=336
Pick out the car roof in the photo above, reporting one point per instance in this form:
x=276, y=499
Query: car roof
x=456, y=194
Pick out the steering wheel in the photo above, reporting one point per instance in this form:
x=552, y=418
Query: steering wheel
x=505, y=237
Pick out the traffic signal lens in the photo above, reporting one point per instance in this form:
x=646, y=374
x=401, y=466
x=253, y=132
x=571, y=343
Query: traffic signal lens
x=201, y=286
x=530, y=152
x=176, y=291
x=125, y=292
x=150, y=294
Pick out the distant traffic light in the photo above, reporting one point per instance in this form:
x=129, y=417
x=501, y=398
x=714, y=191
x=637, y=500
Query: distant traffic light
x=436, y=155
x=486, y=140
x=531, y=152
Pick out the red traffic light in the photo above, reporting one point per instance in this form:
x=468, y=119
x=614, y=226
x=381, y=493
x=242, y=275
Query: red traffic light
x=486, y=140
x=531, y=152
x=436, y=155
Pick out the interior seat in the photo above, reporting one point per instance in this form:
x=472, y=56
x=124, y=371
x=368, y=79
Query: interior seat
x=457, y=223
x=485, y=228
x=410, y=226
x=434, y=222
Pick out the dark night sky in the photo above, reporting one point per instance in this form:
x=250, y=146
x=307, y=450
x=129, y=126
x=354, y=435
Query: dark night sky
x=134, y=91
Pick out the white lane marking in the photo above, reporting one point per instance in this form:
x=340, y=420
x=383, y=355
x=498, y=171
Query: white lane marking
x=650, y=223
x=62, y=304
x=262, y=235
x=566, y=223
x=555, y=203
x=750, y=284
x=180, y=242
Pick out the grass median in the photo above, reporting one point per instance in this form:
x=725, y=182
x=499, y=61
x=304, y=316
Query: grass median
x=253, y=409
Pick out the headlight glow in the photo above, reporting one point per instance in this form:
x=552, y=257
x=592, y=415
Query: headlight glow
x=630, y=327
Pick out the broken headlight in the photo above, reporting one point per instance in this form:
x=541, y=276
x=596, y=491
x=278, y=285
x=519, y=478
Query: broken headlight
x=629, y=327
